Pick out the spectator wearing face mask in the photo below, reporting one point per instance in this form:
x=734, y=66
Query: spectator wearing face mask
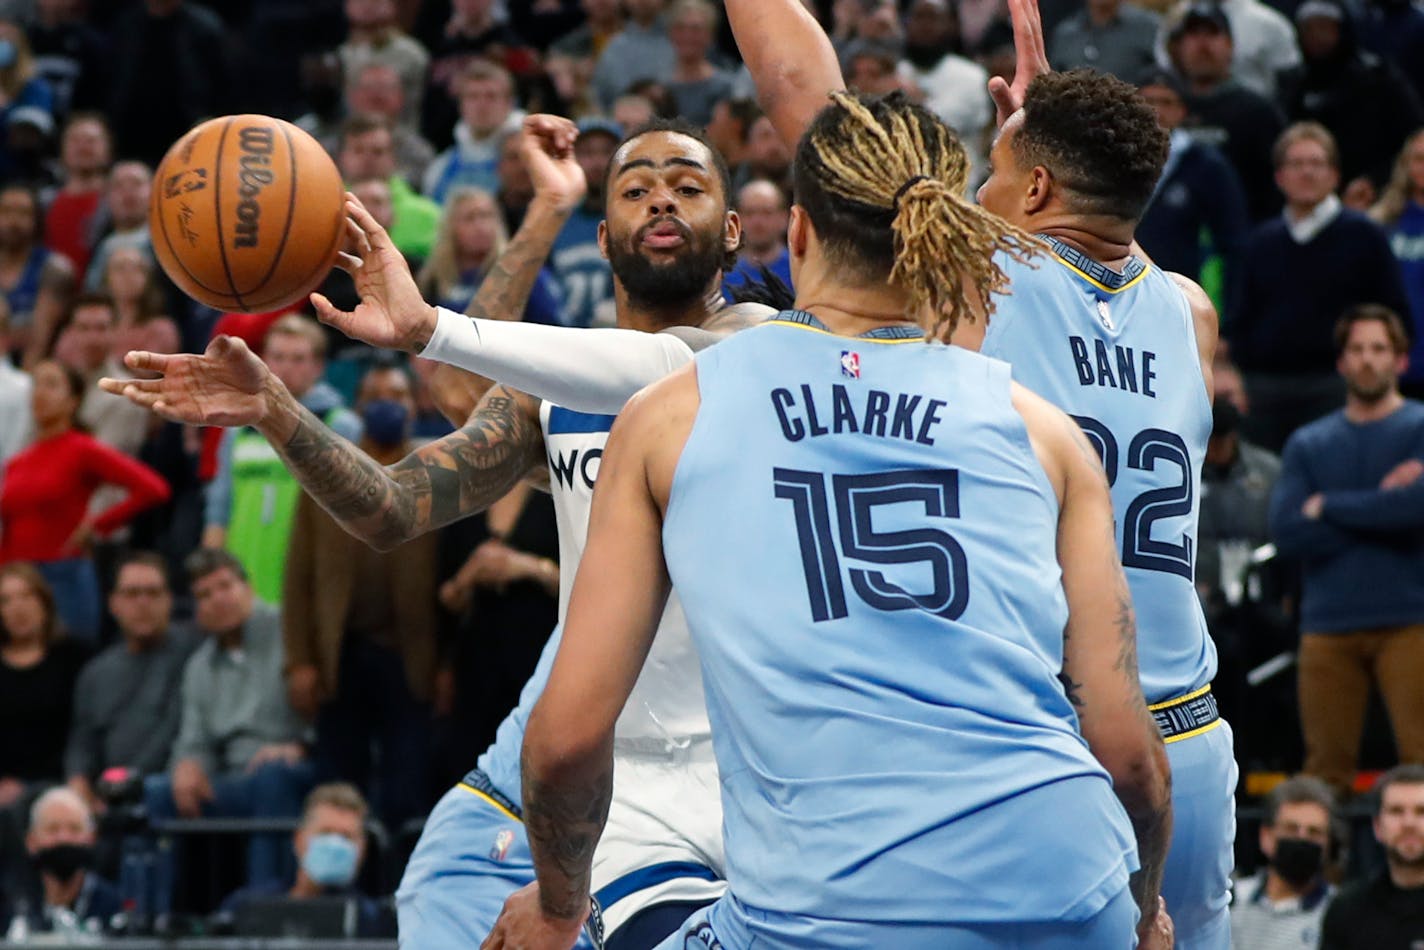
x=330, y=846
x=62, y=894
x=1281, y=907
x=360, y=630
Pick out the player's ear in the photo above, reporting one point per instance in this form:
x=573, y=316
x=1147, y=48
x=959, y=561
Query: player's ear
x=603, y=238
x=1039, y=191
x=732, y=232
x=797, y=232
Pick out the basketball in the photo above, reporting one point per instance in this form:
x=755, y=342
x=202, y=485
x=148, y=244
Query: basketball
x=248, y=213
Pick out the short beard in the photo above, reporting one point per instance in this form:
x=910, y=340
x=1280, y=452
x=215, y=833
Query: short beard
x=1398, y=858
x=1372, y=394
x=669, y=286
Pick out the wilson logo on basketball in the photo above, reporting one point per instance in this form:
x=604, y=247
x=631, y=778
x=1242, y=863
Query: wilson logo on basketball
x=254, y=175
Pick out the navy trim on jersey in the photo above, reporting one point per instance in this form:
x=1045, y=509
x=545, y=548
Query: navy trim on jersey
x=1096, y=271
x=563, y=421
x=635, y=881
x=896, y=332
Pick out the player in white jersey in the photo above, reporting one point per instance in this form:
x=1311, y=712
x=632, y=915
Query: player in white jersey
x=668, y=234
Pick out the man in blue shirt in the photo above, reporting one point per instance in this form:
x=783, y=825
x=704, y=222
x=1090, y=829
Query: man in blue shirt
x=1350, y=505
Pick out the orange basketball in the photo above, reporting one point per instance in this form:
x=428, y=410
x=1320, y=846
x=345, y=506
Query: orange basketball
x=248, y=213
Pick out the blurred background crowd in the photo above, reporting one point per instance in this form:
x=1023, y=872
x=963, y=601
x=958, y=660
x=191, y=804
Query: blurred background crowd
x=183, y=633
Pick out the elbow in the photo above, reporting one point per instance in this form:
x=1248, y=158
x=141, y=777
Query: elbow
x=561, y=749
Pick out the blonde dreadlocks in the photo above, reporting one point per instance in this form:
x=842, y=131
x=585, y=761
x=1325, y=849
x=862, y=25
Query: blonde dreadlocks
x=864, y=160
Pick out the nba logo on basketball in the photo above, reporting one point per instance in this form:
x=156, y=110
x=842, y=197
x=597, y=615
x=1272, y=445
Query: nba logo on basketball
x=850, y=364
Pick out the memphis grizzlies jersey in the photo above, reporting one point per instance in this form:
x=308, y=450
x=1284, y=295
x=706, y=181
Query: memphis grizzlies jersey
x=865, y=545
x=1118, y=352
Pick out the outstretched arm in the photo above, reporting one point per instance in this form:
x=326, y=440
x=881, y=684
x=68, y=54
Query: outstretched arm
x=790, y=58
x=618, y=598
x=442, y=481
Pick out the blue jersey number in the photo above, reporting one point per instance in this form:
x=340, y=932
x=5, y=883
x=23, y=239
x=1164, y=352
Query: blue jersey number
x=1147, y=448
x=854, y=538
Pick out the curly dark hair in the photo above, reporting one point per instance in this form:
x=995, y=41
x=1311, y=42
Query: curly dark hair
x=697, y=134
x=1097, y=136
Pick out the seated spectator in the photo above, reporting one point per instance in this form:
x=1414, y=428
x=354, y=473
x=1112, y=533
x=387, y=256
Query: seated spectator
x=1198, y=210
x=1283, y=905
x=1299, y=273
x=361, y=630
x=1263, y=44
x=126, y=208
x=1107, y=35
x=1400, y=211
x=85, y=151
x=764, y=213
x=954, y=86
x=459, y=35
x=367, y=150
x=766, y=156
x=632, y=111
x=1386, y=911
x=375, y=37
x=471, y=238
x=61, y=894
x=131, y=283
x=69, y=55
x=22, y=90
x=572, y=57
x=330, y=847
x=516, y=188
x=86, y=345
x=728, y=128
x=641, y=50
x=1243, y=123
x=16, y=421
x=585, y=280
x=1333, y=79
x=45, y=497
x=249, y=503
x=487, y=115
x=36, y=281
x=695, y=83
x=872, y=69
x=238, y=752
x=377, y=90
x=1394, y=31
x=129, y=697
x=1350, y=506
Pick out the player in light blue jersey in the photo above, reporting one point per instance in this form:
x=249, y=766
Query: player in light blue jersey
x=669, y=234
x=1119, y=345
x=897, y=565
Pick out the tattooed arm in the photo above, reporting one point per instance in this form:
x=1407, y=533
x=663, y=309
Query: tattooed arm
x=1100, y=643
x=440, y=482
x=618, y=599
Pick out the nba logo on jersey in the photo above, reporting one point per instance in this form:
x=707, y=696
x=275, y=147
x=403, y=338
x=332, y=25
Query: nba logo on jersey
x=502, y=841
x=850, y=364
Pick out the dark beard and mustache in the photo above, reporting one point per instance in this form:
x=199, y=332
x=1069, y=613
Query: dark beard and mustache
x=674, y=283
x=1370, y=389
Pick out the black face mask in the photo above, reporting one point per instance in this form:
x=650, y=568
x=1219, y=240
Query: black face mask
x=1298, y=861
x=63, y=861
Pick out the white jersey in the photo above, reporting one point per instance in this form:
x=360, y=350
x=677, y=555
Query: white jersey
x=666, y=711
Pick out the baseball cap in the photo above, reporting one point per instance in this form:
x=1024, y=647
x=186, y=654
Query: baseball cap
x=1202, y=14
x=597, y=123
x=1319, y=8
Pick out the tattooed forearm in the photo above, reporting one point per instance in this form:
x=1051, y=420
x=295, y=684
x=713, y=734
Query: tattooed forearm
x=460, y=474
x=564, y=820
x=1152, y=826
x=504, y=293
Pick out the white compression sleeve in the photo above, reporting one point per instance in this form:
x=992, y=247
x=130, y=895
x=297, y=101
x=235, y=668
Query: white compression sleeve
x=583, y=370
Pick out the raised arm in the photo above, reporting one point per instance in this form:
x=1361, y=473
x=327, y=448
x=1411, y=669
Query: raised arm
x=444, y=480
x=618, y=598
x=1100, y=646
x=392, y=312
x=790, y=58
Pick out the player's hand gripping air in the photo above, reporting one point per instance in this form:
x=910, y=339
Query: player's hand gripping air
x=224, y=386
x=1030, y=60
x=392, y=312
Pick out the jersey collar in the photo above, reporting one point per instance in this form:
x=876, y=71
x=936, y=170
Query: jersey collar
x=895, y=332
x=1095, y=271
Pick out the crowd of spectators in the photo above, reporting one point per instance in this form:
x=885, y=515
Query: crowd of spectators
x=171, y=604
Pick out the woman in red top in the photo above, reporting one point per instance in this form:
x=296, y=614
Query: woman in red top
x=44, y=500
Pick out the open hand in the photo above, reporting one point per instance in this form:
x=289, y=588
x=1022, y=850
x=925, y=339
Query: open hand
x=548, y=150
x=391, y=314
x=225, y=386
x=1031, y=60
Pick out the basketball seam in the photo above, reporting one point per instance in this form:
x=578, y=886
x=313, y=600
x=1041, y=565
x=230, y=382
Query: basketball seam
x=217, y=204
x=177, y=258
x=291, y=213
